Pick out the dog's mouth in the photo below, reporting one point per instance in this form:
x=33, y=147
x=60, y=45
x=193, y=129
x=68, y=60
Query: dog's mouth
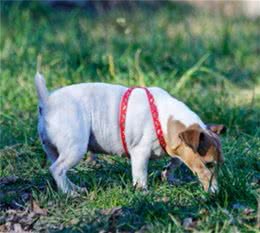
x=211, y=165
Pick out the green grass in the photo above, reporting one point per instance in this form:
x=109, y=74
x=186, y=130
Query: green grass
x=208, y=61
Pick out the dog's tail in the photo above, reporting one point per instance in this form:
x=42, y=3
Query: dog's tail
x=41, y=88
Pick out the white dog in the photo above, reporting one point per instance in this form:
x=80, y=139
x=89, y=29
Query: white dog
x=85, y=117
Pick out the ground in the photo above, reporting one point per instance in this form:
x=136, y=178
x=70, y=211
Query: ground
x=208, y=60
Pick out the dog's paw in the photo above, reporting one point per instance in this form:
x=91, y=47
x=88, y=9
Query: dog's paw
x=76, y=191
x=139, y=188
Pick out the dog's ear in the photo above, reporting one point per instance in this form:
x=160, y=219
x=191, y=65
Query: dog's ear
x=191, y=137
x=197, y=140
x=218, y=129
x=174, y=127
x=205, y=142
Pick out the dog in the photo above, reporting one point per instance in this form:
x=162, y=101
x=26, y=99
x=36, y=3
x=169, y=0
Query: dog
x=85, y=117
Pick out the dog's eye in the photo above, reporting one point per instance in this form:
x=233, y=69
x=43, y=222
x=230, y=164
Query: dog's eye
x=210, y=164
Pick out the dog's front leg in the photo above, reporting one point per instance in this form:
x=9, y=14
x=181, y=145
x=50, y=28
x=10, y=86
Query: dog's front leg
x=139, y=163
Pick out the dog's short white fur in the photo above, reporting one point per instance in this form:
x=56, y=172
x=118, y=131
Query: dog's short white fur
x=85, y=117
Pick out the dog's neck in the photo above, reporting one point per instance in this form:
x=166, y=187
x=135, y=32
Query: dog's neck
x=179, y=111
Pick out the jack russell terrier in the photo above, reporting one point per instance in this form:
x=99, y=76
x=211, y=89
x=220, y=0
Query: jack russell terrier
x=142, y=123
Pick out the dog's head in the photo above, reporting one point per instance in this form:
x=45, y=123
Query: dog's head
x=198, y=148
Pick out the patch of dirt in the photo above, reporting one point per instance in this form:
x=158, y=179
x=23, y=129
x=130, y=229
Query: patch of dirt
x=121, y=216
x=19, y=211
x=16, y=192
x=17, y=220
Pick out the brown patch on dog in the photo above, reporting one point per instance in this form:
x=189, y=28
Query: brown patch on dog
x=191, y=137
x=196, y=147
x=174, y=127
x=218, y=129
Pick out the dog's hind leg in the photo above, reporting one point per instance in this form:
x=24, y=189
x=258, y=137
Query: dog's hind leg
x=51, y=151
x=71, y=143
x=68, y=158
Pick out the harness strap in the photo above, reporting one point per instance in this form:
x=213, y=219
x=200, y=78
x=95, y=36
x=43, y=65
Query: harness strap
x=154, y=113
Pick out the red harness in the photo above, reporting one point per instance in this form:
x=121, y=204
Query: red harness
x=155, y=116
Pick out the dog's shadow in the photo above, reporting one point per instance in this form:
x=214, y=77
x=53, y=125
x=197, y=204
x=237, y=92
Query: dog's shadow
x=104, y=174
x=111, y=172
x=107, y=172
x=137, y=216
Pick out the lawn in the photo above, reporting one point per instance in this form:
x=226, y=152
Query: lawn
x=208, y=60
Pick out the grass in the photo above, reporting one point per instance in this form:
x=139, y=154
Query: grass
x=209, y=61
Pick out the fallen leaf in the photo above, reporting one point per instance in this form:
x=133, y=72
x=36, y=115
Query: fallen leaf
x=21, y=221
x=164, y=199
x=170, y=178
x=3, y=228
x=204, y=212
x=37, y=209
x=238, y=206
x=256, y=179
x=92, y=158
x=18, y=228
x=164, y=175
x=248, y=211
x=74, y=221
x=115, y=214
x=8, y=180
x=111, y=211
x=244, y=210
x=189, y=223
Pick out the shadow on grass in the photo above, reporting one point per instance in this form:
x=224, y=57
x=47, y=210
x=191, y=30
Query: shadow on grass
x=141, y=210
x=141, y=214
x=133, y=216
